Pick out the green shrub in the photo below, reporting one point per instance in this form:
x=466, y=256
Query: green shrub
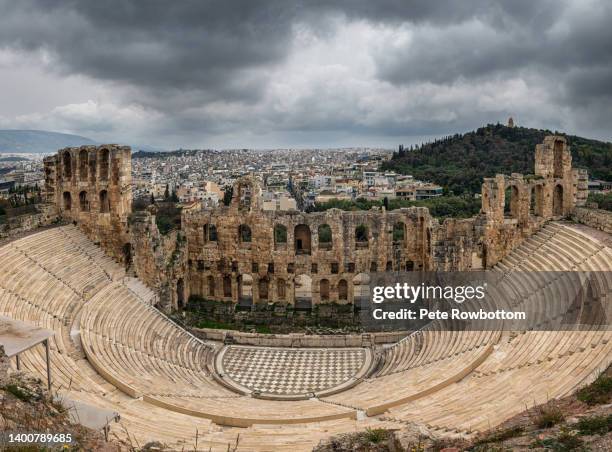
x=598, y=392
x=376, y=435
x=599, y=425
x=564, y=441
x=501, y=435
x=21, y=393
x=549, y=416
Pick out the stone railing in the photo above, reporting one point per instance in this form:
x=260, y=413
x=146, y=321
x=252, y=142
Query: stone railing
x=595, y=218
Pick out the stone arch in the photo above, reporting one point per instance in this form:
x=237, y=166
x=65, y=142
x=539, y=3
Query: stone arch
x=361, y=289
x=83, y=202
x=361, y=235
x=324, y=289
x=409, y=266
x=104, y=164
x=558, y=158
x=263, y=288
x=180, y=293
x=280, y=234
x=104, y=202
x=399, y=231
x=511, y=201
x=342, y=290
x=303, y=289
x=558, y=200
x=389, y=266
x=281, y=289
x=210, y=282
x=245, y=288
x=83, y=164
x=67, y=197
x=325, y=235
x=67, y=163
x=537, y=200
x=302, y=239
x=227, y=286
x=244, y=234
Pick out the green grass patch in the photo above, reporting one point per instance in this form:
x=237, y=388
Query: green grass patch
x=595, y=425
x=375, y=435
x=565, y=441
x=548, y=416
x=598, y=392
x=19, y=392
x=213, y=324
x=501, y=435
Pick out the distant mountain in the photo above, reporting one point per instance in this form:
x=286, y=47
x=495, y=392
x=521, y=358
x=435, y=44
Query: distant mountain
x=459, y=162
x=38, y=141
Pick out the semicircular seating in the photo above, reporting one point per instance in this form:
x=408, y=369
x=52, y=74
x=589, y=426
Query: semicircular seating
x=114, y=350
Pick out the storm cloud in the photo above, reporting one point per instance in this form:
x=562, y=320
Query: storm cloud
x=312, y=73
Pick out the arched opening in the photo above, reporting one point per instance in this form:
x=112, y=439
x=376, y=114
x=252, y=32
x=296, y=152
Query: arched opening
x=227, y=286
x=83, y=163
x=342, y=290
x=180, y=293
x=281, y=289
x=244, y=233
x=537, y=200
x=511, y=202
x=303, y=292
x=325, y=236
x=83, y=202
x=104, y=163
x=361, y=289
x=67, y=161
x=210, y=233
x=324, y=289
x=104, y=202
x=361, y=235
x=399, y=231
x=558, y=201
x=262, y=289
x=280, y=234
x=127, y=254
x=67, y=200
x=558, y=159
x=409, y=266
x=302, y=239
x=245, y=289
x=389, y=266
x=211, y=286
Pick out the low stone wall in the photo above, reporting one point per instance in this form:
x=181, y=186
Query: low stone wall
x=299, y=339
x=595, y=218
x=22, y=224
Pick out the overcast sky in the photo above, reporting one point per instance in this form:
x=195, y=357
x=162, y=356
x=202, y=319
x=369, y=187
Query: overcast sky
x=294, y=74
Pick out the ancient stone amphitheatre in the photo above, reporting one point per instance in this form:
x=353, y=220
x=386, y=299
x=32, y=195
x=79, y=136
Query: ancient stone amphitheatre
x=114, y=349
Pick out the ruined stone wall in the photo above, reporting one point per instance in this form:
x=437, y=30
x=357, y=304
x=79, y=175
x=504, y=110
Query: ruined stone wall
x=90, y=185
x=595, y=218
x=47, y=215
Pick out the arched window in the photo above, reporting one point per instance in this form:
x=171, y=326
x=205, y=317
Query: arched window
x=342, y=290
x=67, y=160
x=325, y=236
x=302, y=239
x=262, y=289
x=104, y=164
x=399, y=232
x=211, y=286
x=83, y=164
x=67, y=200
x=361, y=235
x=244, y=233
x=324, y=289
x=280, y=234
x=210, y=233
x=511, y=202
x=104, y=202
x=227, y=286
x=83, y=202
x=281, y=289
x=558, y=201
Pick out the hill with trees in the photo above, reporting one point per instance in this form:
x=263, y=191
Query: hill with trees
x=459, y=162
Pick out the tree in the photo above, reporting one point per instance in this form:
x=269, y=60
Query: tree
x=152, y=199
x=227, y=195
x=167, y=193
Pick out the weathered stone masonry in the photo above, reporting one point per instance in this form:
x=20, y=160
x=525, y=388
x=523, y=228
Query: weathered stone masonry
x=247, y=257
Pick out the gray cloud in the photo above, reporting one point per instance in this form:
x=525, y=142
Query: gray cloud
x=207, y=70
